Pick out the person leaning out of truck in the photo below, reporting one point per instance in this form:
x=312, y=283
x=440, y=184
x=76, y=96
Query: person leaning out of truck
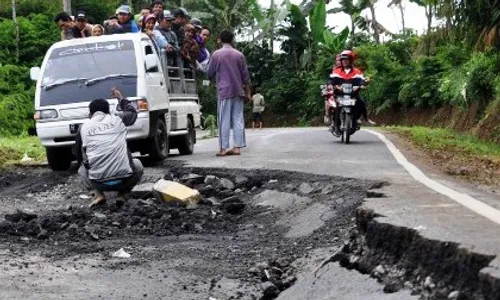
x=82, y=24
x=98, y=30
x=126, y=23
x=190, y=49
x=105, y=161
x=69, y=29
x=165, y=20
x=149, y=29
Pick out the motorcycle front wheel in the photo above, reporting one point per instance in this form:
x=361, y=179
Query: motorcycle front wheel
x=346, y=133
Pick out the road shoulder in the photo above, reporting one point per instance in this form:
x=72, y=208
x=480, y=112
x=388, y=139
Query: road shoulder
x=426, y=239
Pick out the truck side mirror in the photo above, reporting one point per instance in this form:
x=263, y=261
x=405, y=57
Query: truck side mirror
x=35, y=73
x=151, y=62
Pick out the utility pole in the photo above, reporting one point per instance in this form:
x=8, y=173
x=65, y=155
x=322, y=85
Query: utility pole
x=271, y=36
x=67, y=6
x=16, y=28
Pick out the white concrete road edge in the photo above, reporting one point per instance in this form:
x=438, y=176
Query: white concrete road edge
x=461, y=198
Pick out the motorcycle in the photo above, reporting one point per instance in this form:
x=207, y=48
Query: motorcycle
x=346, y=111
x=331, y=104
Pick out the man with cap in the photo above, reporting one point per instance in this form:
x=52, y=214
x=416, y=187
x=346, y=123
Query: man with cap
x=126, y=22
x=198, y=25
x=165, y=20
x=82, y=25
x=105, y=161
x=181, y=18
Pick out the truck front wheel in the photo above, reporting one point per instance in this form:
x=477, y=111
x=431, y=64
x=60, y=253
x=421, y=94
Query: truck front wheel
x=59, y=159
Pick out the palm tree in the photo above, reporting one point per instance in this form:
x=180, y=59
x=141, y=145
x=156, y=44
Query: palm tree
x=430, y=7
x=370, y=4
x=16, y=28
x=399, y=4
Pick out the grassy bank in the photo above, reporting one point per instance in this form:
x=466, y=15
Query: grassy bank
x=456, y=154
x=13, y=148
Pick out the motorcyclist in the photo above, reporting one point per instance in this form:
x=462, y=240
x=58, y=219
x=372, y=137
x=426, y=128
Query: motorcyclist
x=327, y=92
x=347, y=73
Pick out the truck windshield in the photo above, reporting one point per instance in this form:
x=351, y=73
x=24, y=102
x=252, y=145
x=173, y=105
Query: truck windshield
x=86, y=72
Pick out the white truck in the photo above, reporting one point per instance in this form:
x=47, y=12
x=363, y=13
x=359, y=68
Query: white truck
x=75, y=72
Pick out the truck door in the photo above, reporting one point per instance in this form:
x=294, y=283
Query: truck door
x=155, y=81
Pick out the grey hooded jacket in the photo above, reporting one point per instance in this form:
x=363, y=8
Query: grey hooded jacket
x=103, y=144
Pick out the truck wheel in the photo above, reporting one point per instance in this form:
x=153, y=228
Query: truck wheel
x=158, y=144
x=186, y=146
x=59, y=159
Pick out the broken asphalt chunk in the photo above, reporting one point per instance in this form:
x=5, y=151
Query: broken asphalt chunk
x=173, y=192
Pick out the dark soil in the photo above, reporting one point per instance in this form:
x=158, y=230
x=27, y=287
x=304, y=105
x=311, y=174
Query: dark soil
x=28, y=180
x=227, y=231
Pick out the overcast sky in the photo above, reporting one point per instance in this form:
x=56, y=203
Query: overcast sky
x=388, y=17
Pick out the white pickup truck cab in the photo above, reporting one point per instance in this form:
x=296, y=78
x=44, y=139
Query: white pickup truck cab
x=75, y=72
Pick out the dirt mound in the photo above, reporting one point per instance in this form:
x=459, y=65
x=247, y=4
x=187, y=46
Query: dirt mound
x=15, y=181
x=137, y=217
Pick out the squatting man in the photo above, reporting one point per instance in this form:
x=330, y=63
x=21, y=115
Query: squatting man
x=106, y=164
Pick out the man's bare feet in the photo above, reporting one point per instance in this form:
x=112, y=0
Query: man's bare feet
x=98, y=200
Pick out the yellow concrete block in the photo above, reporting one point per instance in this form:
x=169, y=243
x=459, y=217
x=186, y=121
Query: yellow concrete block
x=170, y=191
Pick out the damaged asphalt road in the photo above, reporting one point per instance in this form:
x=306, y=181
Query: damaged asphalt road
x=241, y=242
x=311, y=219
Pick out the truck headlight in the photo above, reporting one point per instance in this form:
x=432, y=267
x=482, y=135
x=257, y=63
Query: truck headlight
x=142, y=105
x=45, y=114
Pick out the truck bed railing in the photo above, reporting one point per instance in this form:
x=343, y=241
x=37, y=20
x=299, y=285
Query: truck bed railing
x=180, y=79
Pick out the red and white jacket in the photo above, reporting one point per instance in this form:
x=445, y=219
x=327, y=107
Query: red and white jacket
x=340, y=76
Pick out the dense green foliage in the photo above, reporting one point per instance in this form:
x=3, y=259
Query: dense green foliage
x=455, y=64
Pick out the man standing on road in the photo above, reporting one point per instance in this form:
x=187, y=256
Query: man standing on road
x=228, y=66
x=258, y=108
x=105, y=162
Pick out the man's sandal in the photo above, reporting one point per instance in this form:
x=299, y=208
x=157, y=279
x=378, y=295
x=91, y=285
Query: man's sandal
x=222, y=153
x=232, y=152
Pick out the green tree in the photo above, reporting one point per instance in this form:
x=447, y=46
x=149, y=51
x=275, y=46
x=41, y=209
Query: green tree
x=351, y=9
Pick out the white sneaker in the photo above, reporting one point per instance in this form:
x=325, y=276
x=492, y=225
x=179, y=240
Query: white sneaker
x=371, y=123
